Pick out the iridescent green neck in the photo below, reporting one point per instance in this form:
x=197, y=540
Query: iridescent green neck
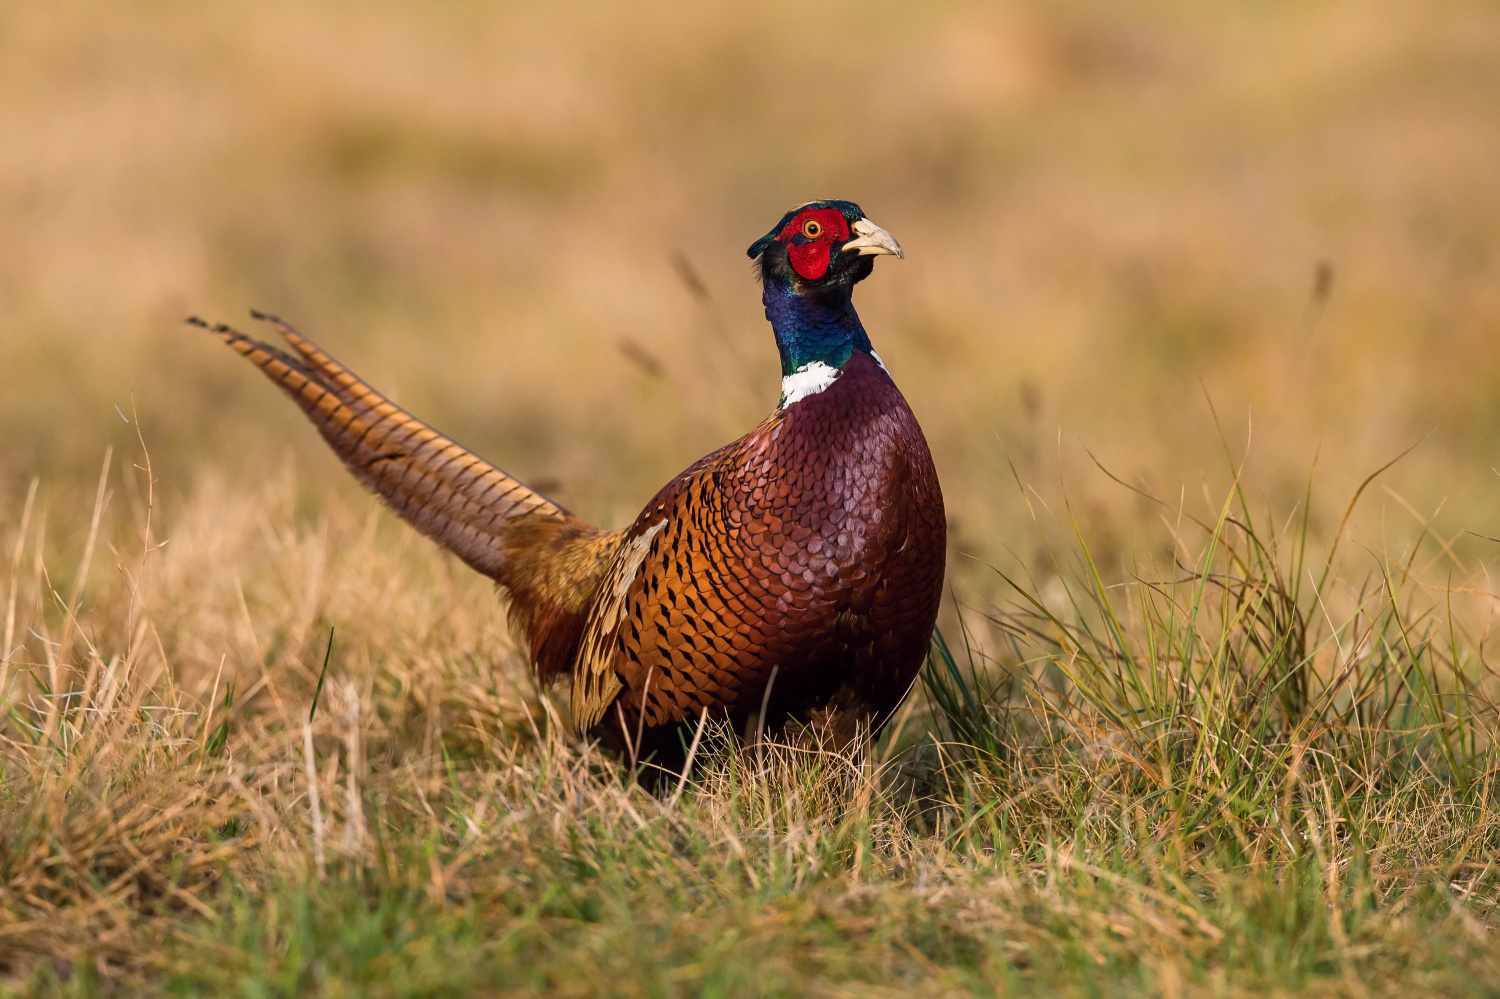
x=822, y=328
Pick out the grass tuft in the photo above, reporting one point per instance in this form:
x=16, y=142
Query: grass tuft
x=1222, y=774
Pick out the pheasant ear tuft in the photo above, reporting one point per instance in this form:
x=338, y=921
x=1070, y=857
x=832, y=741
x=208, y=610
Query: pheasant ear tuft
x=759, y=246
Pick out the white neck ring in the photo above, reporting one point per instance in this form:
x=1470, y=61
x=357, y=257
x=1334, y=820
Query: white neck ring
x=810, y=379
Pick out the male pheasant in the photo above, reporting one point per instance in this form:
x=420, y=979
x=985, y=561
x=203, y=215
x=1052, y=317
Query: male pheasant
x=792, y=575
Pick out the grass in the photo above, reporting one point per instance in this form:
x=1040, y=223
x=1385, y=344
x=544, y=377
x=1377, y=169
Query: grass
x=1209, y=777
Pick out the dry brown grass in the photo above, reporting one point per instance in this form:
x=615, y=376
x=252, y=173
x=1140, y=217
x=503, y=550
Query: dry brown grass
x=172, y=708
x=160, y=825
x=475, y=209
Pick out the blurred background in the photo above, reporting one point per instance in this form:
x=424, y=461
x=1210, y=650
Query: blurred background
x=527, y=223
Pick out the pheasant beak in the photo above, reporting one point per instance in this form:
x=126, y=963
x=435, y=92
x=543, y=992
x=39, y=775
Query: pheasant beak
x=871, y=239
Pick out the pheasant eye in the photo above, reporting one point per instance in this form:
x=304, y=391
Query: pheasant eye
x=812, y=229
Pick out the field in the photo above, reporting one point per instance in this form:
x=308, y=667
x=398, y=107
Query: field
x=1198, y=313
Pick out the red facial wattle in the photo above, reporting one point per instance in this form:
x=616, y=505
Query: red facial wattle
x=810, y=238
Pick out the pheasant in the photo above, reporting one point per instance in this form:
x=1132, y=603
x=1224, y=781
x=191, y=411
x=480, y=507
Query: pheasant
x=791, y=576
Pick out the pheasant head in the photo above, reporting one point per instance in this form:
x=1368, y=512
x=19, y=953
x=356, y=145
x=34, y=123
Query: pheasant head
x=809, y=264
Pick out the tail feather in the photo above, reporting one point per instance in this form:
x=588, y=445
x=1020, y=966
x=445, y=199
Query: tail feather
x=339, y=380
x=440, y=487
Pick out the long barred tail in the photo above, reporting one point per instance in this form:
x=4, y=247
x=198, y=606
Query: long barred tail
x=441, y=488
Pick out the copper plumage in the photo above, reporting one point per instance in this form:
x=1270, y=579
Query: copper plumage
x=810, y=550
